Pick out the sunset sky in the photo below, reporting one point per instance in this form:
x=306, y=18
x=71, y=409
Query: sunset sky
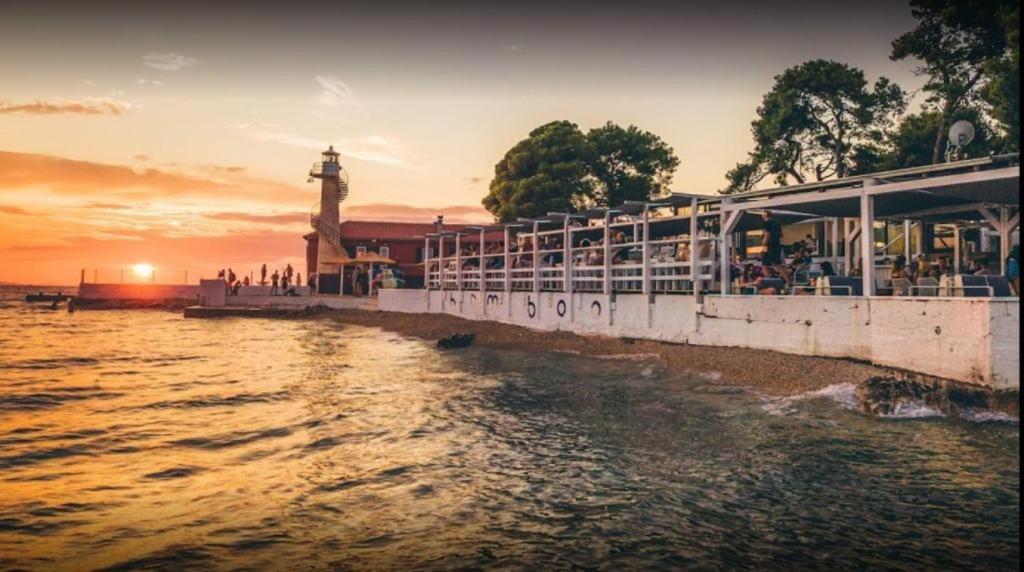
x=180, y=135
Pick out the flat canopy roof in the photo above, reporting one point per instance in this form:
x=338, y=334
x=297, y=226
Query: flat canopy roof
x=947, y=192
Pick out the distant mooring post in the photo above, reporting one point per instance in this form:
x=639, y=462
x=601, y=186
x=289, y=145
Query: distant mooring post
x=330, y=255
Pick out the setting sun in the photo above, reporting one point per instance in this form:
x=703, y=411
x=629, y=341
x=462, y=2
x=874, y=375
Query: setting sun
x=143, y=270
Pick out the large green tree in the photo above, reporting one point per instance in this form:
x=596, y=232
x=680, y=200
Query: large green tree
x=1002, y=94
x=819, y=117
x=955, y=41
x=559, y=169
x=546, y=172
x=629, y=164
x=911, y=144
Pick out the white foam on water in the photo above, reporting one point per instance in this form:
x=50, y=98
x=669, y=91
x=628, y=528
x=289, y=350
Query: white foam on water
x=986, y=416
x=914, y=409
x=845, y=394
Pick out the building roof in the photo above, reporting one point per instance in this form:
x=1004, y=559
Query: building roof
x=384, y=230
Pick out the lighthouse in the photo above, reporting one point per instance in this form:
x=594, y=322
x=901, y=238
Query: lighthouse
x=325, y=218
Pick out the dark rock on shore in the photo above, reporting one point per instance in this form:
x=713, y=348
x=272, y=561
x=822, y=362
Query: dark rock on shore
x=458, y=340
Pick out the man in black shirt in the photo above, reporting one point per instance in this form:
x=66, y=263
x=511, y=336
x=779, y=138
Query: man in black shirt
x=771, y=240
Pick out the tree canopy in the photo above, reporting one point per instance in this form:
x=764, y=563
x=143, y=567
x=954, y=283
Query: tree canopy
x=629, y=164
x=546, y=172
x=956, y=41
x=559, y=169
x=819, y=117
x=910, y=145
x=1002, y=93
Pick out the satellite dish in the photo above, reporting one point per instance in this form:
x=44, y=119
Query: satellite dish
x=961, y=133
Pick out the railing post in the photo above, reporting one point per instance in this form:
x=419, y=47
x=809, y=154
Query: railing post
x=645, y=250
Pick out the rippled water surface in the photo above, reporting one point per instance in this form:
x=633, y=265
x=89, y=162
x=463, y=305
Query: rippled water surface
x=138, y=439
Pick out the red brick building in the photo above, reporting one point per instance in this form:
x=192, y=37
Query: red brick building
x=399, y=241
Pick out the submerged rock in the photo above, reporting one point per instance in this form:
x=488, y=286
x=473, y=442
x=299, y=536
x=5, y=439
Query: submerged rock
x=894, y=396
x=452, y=341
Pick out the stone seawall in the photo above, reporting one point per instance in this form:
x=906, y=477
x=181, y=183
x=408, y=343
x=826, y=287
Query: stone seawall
x=970, y=340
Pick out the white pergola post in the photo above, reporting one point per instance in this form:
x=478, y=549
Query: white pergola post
x=567, y=258
x=426, y=262
x=835, y=244
x=1004, y=238
x=851, y=231
x=645, y=249
x=483, y=262
x=507, y=275
x=728, y=220
x=956, y=249
x=919, y=238
x=867, y=238
x=694, y=248
x=607, y=286
x=458, y=261
x=906, y=239
x=536, y=260
x=440, y=265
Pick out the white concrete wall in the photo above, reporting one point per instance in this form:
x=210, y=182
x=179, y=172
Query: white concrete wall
x=138, y=292
x=972, y=340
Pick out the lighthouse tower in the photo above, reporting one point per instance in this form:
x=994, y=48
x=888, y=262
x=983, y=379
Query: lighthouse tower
x=325, y=217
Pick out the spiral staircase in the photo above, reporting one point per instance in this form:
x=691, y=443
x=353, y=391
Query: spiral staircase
x=330, y=232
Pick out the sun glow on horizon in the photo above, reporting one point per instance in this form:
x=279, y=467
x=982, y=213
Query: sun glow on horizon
x=143, y=270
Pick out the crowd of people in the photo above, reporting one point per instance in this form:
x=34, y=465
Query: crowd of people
x=283, y=282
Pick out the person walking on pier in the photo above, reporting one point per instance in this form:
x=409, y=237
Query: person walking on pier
x=273, y=283
x=263, y=275
x=312, y=282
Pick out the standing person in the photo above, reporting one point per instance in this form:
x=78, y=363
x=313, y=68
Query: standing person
x=231, y=277
x=289, y=271
x=298, y=279
x=273, y=283
x=263, y=275
x=312, y=282
x=1013, y=268
x=357, y=281
x=771, y=240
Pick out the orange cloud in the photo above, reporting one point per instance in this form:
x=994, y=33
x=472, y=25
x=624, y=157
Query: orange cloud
x=68, y=176
x=13, y=210
x=88, y=106
x=283, y=218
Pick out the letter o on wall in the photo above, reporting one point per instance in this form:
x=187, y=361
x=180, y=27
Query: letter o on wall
x=560, y=308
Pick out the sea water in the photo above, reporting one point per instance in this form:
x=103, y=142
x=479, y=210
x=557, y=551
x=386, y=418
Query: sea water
x=138, y=439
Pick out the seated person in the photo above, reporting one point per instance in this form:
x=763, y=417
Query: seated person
x=683, y=252
x=758, y=286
